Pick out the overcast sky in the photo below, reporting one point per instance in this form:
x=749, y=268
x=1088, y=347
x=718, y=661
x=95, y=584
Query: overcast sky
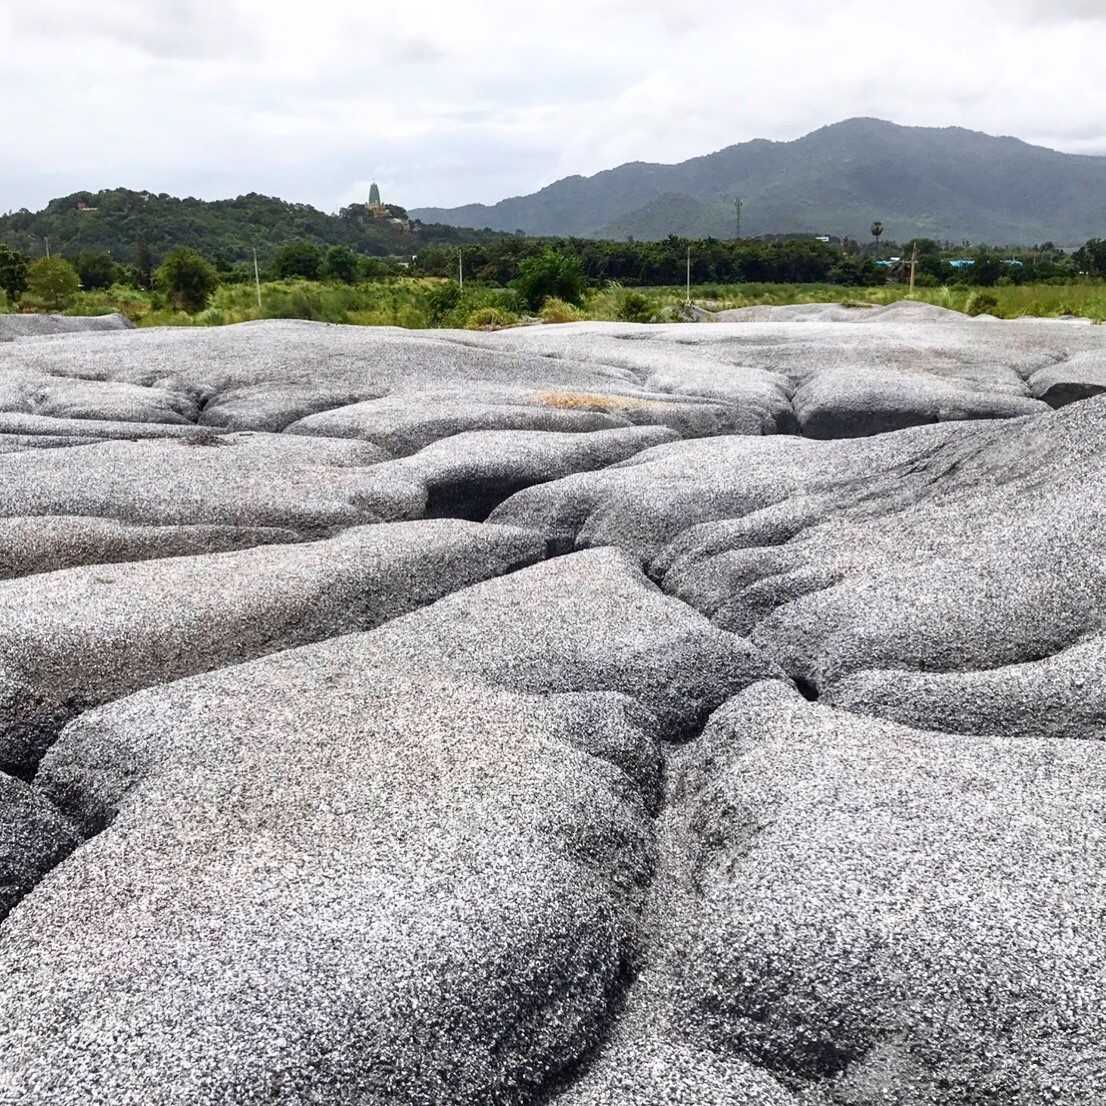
x=452, y=103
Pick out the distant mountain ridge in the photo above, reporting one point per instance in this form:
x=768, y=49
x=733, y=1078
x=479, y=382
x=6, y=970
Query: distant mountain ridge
x=943, y=183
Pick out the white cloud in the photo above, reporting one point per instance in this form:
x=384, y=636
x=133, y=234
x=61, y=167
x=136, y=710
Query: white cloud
x=447, y=104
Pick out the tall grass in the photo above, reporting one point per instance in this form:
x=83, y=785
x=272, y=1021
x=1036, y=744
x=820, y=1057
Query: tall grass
x=1087, y=300
x=422, y=303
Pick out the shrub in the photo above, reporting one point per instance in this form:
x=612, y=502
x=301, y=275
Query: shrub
x=13, y=273
x=295, y=303
x=490, y=318
x=550, y=274
x=441, y=300
x=118, y=298
x=52, y=283
x=982, y=303
x=341, y=264
x=555, y=310
x=633, y=307
x=298, y=259
x=96, y=270
x=187, y=279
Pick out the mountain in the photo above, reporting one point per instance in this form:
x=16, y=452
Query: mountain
x=947, y=183
x=227, y=230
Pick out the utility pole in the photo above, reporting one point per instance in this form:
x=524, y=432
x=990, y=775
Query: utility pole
x=47, y=245
x=461, y=268
x=257, y=278
x=739, y=203
x=689, y=276
x=913, y=266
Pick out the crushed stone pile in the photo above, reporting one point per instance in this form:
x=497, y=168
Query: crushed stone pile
x=587, y=715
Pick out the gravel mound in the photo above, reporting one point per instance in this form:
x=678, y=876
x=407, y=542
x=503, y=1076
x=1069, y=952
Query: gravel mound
x=406, y=422
x=645, y=502
x=1080, y=377
x=72, y=640
x=268, y=375
x=936, y=941
x=820, y=368
x=14, y=327
x=798, y=313
x=669, y=365
x=842, y=403
x=783, y=786
x=960, y=588
x=32, y=393
x=46, y=543
x=48, y=427
x=239, y=480
x=948, y=577
x=403, y=866
x=908, y=364
x=468, y=474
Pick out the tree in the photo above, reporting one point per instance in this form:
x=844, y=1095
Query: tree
x=143, y=265
x=551, y=273
x=850, y=269
x=1091, y=258
x=341, y=264
x=96, y=269
x=52, y=282
x=633, y=307
x=987, y=269
x=298, y=259
x=877, y=234
x=187, y=279
x=13, y=272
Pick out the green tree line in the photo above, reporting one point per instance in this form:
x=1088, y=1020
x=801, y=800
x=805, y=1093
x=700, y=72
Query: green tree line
x=539, y=269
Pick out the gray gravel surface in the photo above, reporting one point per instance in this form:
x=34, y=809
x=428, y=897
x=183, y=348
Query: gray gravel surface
x=468, y=474
x=242, y=480
x=883, y=368
x=905, y=365
x=14, y=327
x=645, y=502
x=397, y=867
x=33, y=393
x=46, y=543
x=963, y=590
x=31, y=425
x=472, y=844
x=405, y=422
x=267, y=375
x=948, y=577
x=1080, y=377
x=668, y=365
x=881, y=915
x=34, y=837
x=845, y=403
x=74, y=639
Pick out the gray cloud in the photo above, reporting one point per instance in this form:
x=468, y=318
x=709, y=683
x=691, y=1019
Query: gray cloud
x=447, y=104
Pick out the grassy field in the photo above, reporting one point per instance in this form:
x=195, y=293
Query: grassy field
x=426, y=302
x=1087, y=300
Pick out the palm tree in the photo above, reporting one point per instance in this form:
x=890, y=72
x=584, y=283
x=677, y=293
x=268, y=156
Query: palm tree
x=877, y=233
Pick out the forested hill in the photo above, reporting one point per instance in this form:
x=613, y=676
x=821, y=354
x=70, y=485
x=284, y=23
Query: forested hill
x=946, y=184
x=224, y=230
